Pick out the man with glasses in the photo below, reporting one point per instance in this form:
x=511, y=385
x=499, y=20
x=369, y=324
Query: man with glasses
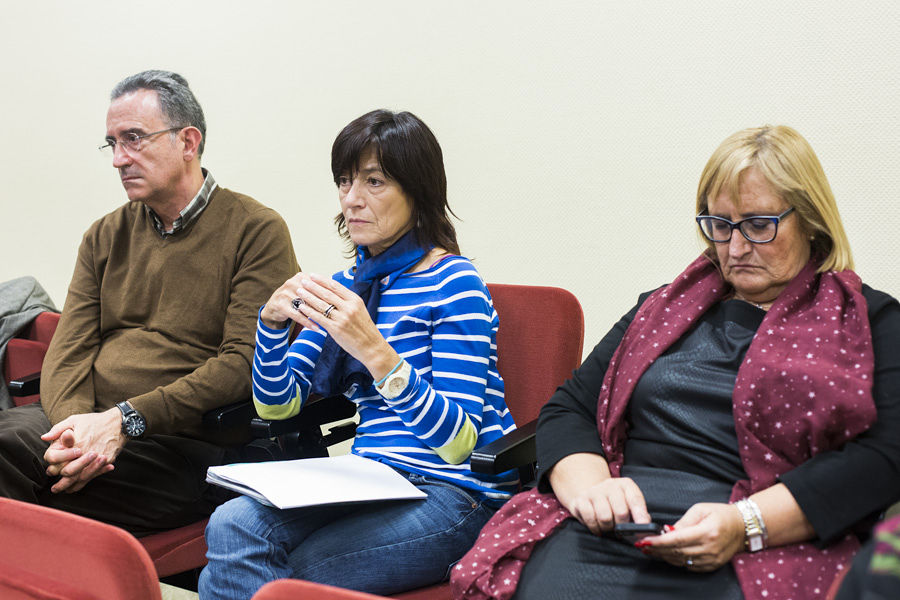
x=158, y=328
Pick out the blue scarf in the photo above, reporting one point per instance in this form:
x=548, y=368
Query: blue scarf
x=336, y=370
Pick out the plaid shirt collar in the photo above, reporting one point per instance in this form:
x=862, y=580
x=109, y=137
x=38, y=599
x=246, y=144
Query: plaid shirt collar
x=190, y=212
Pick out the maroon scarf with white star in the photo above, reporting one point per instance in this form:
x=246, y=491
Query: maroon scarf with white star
x=804, y=387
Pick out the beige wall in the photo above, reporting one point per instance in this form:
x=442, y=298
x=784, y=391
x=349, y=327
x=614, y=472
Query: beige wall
x=574, y=132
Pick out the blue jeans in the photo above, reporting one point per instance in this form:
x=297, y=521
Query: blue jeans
x=380, y=548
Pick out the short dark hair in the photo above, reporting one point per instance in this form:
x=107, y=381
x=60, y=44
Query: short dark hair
x=177, y=102
x=408, y=153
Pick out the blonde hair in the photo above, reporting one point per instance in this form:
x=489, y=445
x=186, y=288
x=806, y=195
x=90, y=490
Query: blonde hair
x=794, y=172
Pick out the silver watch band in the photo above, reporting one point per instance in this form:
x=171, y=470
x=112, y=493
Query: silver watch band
x=755, y=534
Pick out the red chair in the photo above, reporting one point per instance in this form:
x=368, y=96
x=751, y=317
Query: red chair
x=25, y=354
x=173, y=551
x=177, y=550
x=534, y=356
x=51, y=554
x=297, y=589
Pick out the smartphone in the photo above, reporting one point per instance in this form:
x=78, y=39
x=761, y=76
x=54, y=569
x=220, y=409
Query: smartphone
x=632, y=532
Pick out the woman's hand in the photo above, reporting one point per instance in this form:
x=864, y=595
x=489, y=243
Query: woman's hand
x=279, y=311
x=614, y=500
x=348, y=322
x=583, y=484
x=703, y=539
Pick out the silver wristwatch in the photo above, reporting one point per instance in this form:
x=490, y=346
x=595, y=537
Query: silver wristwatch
x=755, y=534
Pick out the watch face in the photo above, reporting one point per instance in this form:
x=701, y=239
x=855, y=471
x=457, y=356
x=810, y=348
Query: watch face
x=396, y=385
x=134, y=425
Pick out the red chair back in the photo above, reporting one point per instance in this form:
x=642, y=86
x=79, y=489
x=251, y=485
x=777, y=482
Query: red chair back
x=539, y=344
x=25, y=352
x=297, y=589
x=52, y=554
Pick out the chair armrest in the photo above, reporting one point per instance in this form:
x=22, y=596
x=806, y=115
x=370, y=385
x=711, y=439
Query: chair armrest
x=301, y=435
x=514, y=450
x=237, y=414
x=297, y=437
x=316, y=411
x=25, y=386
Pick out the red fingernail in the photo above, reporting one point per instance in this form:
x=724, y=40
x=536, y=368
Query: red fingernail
x=668, y=528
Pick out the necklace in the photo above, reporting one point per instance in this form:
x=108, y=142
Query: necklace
x=756, y=304
x=765, y=306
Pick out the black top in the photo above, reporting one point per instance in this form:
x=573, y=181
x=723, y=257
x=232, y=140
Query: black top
x=696, y=436
x=837, y=490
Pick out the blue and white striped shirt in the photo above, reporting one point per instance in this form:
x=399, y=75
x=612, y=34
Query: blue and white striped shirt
x=443, y=323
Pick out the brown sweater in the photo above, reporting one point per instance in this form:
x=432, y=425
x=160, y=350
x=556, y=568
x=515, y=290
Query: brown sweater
x=168, y=324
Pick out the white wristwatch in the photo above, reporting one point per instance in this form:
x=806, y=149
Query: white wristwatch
x=396, y=382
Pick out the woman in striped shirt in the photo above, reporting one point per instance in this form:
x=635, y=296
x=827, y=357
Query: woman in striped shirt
x=409, y=335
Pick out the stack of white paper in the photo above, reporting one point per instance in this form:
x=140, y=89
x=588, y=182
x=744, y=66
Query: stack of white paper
x=313, y=481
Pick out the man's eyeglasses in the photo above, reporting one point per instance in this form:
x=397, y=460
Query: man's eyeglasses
x=132, y=141
x=759, y=230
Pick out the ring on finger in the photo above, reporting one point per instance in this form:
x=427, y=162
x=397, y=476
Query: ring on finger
x=327, y=311
x=689, y=562
x=297, y=303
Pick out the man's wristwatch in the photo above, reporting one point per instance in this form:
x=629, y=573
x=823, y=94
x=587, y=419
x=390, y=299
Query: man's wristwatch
x=133, y=423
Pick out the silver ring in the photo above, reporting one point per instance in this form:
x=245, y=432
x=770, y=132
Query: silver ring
x=689, y=562
x=328, y=310
x=297, y=303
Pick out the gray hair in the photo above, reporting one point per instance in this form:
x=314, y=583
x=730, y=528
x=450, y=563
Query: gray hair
x=176, y=100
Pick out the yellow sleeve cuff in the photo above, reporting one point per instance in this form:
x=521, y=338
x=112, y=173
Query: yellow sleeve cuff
x=460, y=447
x=278, y=412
